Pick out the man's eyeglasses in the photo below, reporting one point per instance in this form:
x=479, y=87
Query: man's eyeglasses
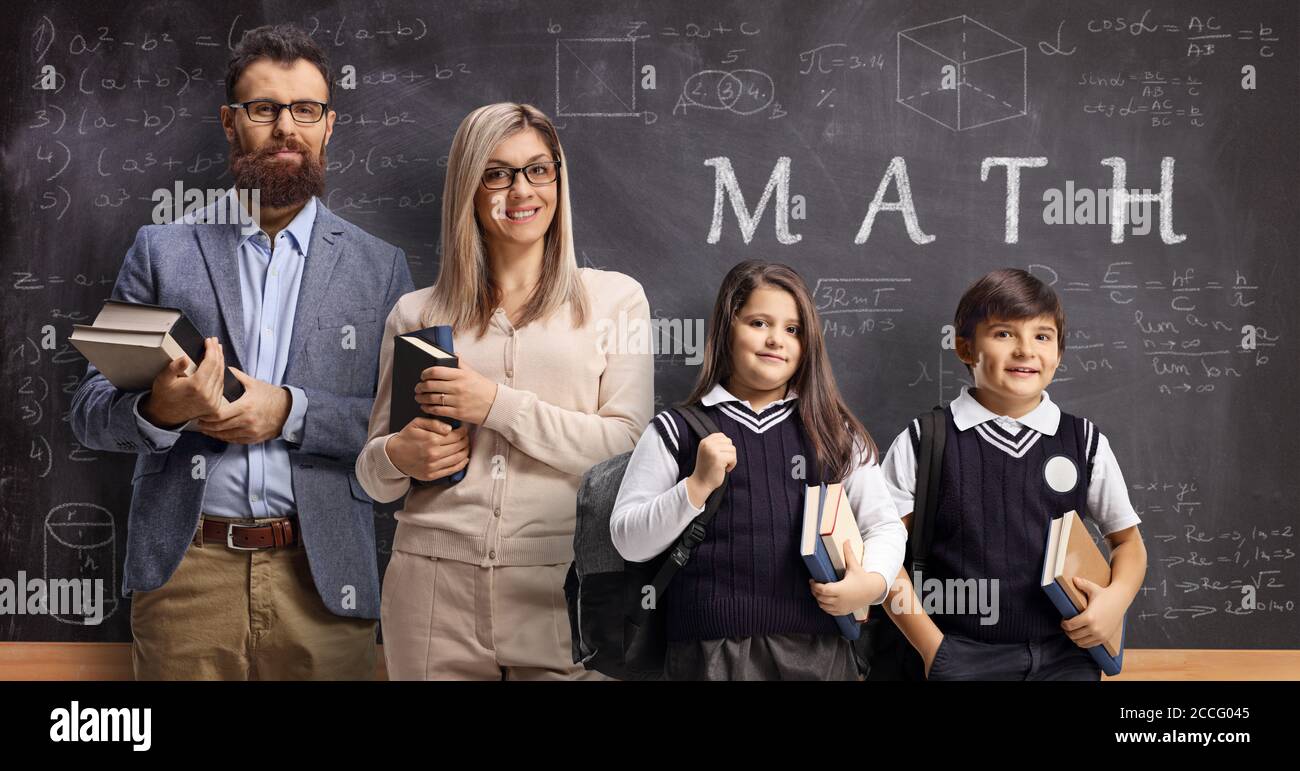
x=502, y=177
x=267, y=111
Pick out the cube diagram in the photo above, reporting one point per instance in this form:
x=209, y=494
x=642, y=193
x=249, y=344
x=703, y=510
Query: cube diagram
x=961, y=74
x=595, y=77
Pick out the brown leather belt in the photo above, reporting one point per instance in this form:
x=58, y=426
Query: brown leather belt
x=268, y=534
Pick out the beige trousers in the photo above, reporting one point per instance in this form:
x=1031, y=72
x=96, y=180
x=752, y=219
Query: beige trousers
x=245, y=615
x=449, y=620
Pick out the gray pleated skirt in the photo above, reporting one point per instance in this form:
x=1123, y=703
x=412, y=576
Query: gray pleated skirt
x=763, y=657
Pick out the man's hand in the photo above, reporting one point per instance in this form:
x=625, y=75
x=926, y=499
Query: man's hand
x=253, y=418
x=456, y=392
x=1100, y=620
x=855, y=589
x=176, y=398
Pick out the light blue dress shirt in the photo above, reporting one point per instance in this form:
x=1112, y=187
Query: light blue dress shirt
x=254, y=481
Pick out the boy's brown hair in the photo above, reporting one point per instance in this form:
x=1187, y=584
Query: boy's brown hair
x=1009, y=294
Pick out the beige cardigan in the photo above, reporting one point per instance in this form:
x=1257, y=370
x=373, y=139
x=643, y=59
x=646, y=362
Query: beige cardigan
x=566, y=400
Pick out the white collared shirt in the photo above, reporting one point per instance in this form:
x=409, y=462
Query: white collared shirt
x=1108, y=501
x=653, y=509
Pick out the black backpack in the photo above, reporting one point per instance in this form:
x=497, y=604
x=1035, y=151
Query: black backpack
x=888, y=654
x=614, y=622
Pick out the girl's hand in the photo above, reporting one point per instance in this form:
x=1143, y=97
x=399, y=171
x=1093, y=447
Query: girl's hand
x=1098, y=621
x=714, y=458
x=856, y=589
x=456, y=392
x=429, y=449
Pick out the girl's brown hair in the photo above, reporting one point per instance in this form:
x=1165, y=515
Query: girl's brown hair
x=465, y=292
x=829, y=425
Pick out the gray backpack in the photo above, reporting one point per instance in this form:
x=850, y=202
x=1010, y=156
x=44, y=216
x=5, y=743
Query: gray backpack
x=614, y=621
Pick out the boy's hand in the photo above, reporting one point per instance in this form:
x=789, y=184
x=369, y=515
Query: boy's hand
x=928, y=655
x=855, y=589
x=1098, y=621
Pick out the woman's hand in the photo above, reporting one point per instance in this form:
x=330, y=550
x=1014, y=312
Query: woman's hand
x=428, y=449
x=715, y=456
x=456, y=392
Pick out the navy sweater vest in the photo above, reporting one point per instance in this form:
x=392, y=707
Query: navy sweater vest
x=995, y=506
x=746, y=577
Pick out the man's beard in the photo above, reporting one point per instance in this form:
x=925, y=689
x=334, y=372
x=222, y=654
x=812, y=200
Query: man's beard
x=281, y=183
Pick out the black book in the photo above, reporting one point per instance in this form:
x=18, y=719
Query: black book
x=413, y=353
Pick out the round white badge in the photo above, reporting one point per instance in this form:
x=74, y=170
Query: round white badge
x=1061, y=474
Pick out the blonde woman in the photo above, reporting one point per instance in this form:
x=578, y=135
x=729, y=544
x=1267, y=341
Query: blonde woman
x=474, y=589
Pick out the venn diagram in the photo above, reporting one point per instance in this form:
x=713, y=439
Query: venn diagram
x=743, y=92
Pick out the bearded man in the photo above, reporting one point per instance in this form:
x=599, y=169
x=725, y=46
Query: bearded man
x=251, y=545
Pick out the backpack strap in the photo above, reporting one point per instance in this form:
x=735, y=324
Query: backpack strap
x=929, y=471
x=680, y=553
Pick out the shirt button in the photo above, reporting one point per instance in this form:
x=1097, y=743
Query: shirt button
x=496, y=512
x=492, y=555
x=267, y=330
x=253, y=498
x=510, y=373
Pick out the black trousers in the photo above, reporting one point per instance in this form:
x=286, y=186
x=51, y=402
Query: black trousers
x=1051, y=658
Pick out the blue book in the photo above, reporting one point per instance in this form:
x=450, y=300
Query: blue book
x=815, y=556
x=413, y=353
x=1068, y=551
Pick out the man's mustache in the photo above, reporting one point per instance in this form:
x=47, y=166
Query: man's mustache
x=291, y=145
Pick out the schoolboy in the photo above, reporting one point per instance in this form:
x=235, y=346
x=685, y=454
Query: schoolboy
x=1012, y=462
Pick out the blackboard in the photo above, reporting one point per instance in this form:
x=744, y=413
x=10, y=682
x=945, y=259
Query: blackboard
x=1177, y=347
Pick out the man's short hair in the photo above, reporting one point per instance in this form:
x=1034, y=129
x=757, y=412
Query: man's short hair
x=1009, y=294
x=283, y=43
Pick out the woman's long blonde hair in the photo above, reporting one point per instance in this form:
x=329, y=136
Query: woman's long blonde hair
x=465, y=293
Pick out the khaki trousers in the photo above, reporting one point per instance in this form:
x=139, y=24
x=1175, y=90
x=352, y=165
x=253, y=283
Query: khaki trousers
x=245, y=615
x=450, y=620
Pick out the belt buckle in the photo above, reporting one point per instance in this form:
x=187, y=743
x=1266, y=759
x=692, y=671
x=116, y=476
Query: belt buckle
x=230, y=540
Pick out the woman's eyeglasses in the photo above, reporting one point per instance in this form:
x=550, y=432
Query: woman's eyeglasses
x=539, y=173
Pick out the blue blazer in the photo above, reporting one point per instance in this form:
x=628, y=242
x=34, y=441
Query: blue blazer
x=349, y=278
